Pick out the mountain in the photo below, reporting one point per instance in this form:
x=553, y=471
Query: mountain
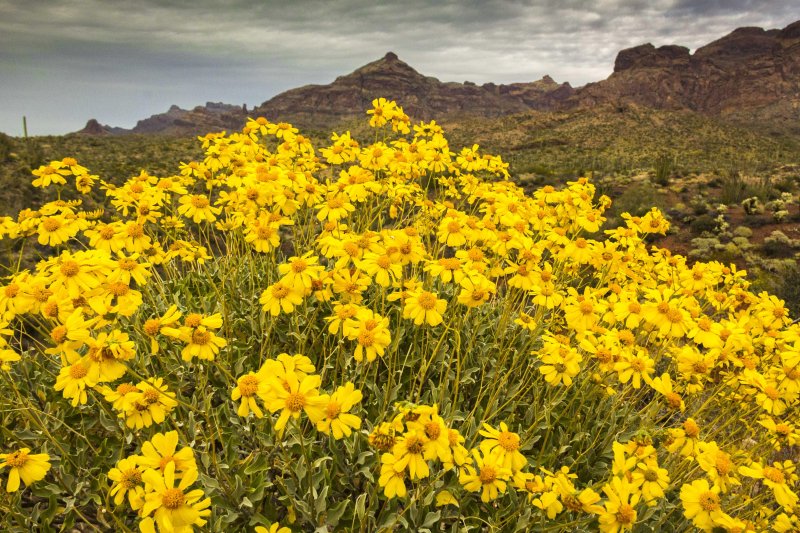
x=422, y=97
x=750, y=77
x=214, y=116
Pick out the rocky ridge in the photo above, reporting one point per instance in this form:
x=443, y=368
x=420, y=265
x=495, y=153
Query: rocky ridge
x=749, y=76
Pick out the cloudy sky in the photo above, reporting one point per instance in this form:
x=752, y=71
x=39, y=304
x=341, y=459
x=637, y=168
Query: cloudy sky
x=65, y=61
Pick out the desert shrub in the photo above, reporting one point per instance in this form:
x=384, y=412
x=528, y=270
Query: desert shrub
x=379, y=337
x=703, y=224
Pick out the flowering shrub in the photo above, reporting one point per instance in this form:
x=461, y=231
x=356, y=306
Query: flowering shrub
x=389, y=336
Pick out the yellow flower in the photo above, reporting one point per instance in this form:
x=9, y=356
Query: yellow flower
x=22, y=465
x=620, y=507
x=74, y=379
x=409, y=453
x=391, y=479
x=162, y=449
x=337, y=419
x=503, y=444
x=248, y=387
x=475, y=290
x=635, y=367
x=127, y=478
x=280, y=297
x=424, y=307
x=151, y=404
x=295, y=397
x=174, y=508
x=488, y=476
x=779, y=477
x=198, y=208
x=701, y=504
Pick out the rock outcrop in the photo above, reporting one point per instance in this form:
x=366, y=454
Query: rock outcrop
x=422, y=97
x=749, y=76
x=751, y=73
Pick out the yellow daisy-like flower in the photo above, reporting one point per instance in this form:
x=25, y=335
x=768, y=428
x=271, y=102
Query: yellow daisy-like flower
x=162, y=449
x=150, y=405
x=503, y=444
x=280, y=297
x=127, y=478
x=24, y=466
x=424, y=307
x=701, y=504
x=295, y=397
x=619, y=513
x=174, y=508
x=337, y=420
x=488, y=476
x=248, y=388
x=198, y=208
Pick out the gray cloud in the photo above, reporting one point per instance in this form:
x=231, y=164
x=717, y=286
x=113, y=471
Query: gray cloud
x=64, y=61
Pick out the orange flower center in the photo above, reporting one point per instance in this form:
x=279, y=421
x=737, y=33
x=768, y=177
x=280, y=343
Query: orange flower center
x=199, y=202
x=774, y=475
x=427, y=300
x=709, y=501
x=17, y=459
x=69, y=269
x=280, y=291
x=488, y=475
x=173, y=499
x=248, y=385
x=508, y=441
x=626, y=514
x=78, y=371
x=51, y=224
x=200, y=337
x=151, y=396
x=295, y=402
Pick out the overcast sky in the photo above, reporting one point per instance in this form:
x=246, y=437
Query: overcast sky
x=65, y=61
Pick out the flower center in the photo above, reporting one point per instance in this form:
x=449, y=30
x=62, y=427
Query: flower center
x=774, y=475
x=280, y=291
x=17, y=459
x=488, y=474
x=651, y=475
x=626, y=514
x=70, y=268
x=131, y=478
x=152, y=326
x=77, y=371
x=333, y=409
x=151, y=396
x=709, y=501
x=173, y=499
x=248, y=385
x=508, y=441
x=200, y=337
x=295, y=402
x=414, y=445
x=199, y=202
x=427, y=300
x=51, y=224
x=433, y=430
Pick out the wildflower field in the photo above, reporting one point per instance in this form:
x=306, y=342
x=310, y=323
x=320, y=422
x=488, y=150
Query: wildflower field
x=379, y=335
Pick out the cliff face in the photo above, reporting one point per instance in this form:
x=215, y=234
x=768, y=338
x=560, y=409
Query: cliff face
x=750, y=76
x=751, y=73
